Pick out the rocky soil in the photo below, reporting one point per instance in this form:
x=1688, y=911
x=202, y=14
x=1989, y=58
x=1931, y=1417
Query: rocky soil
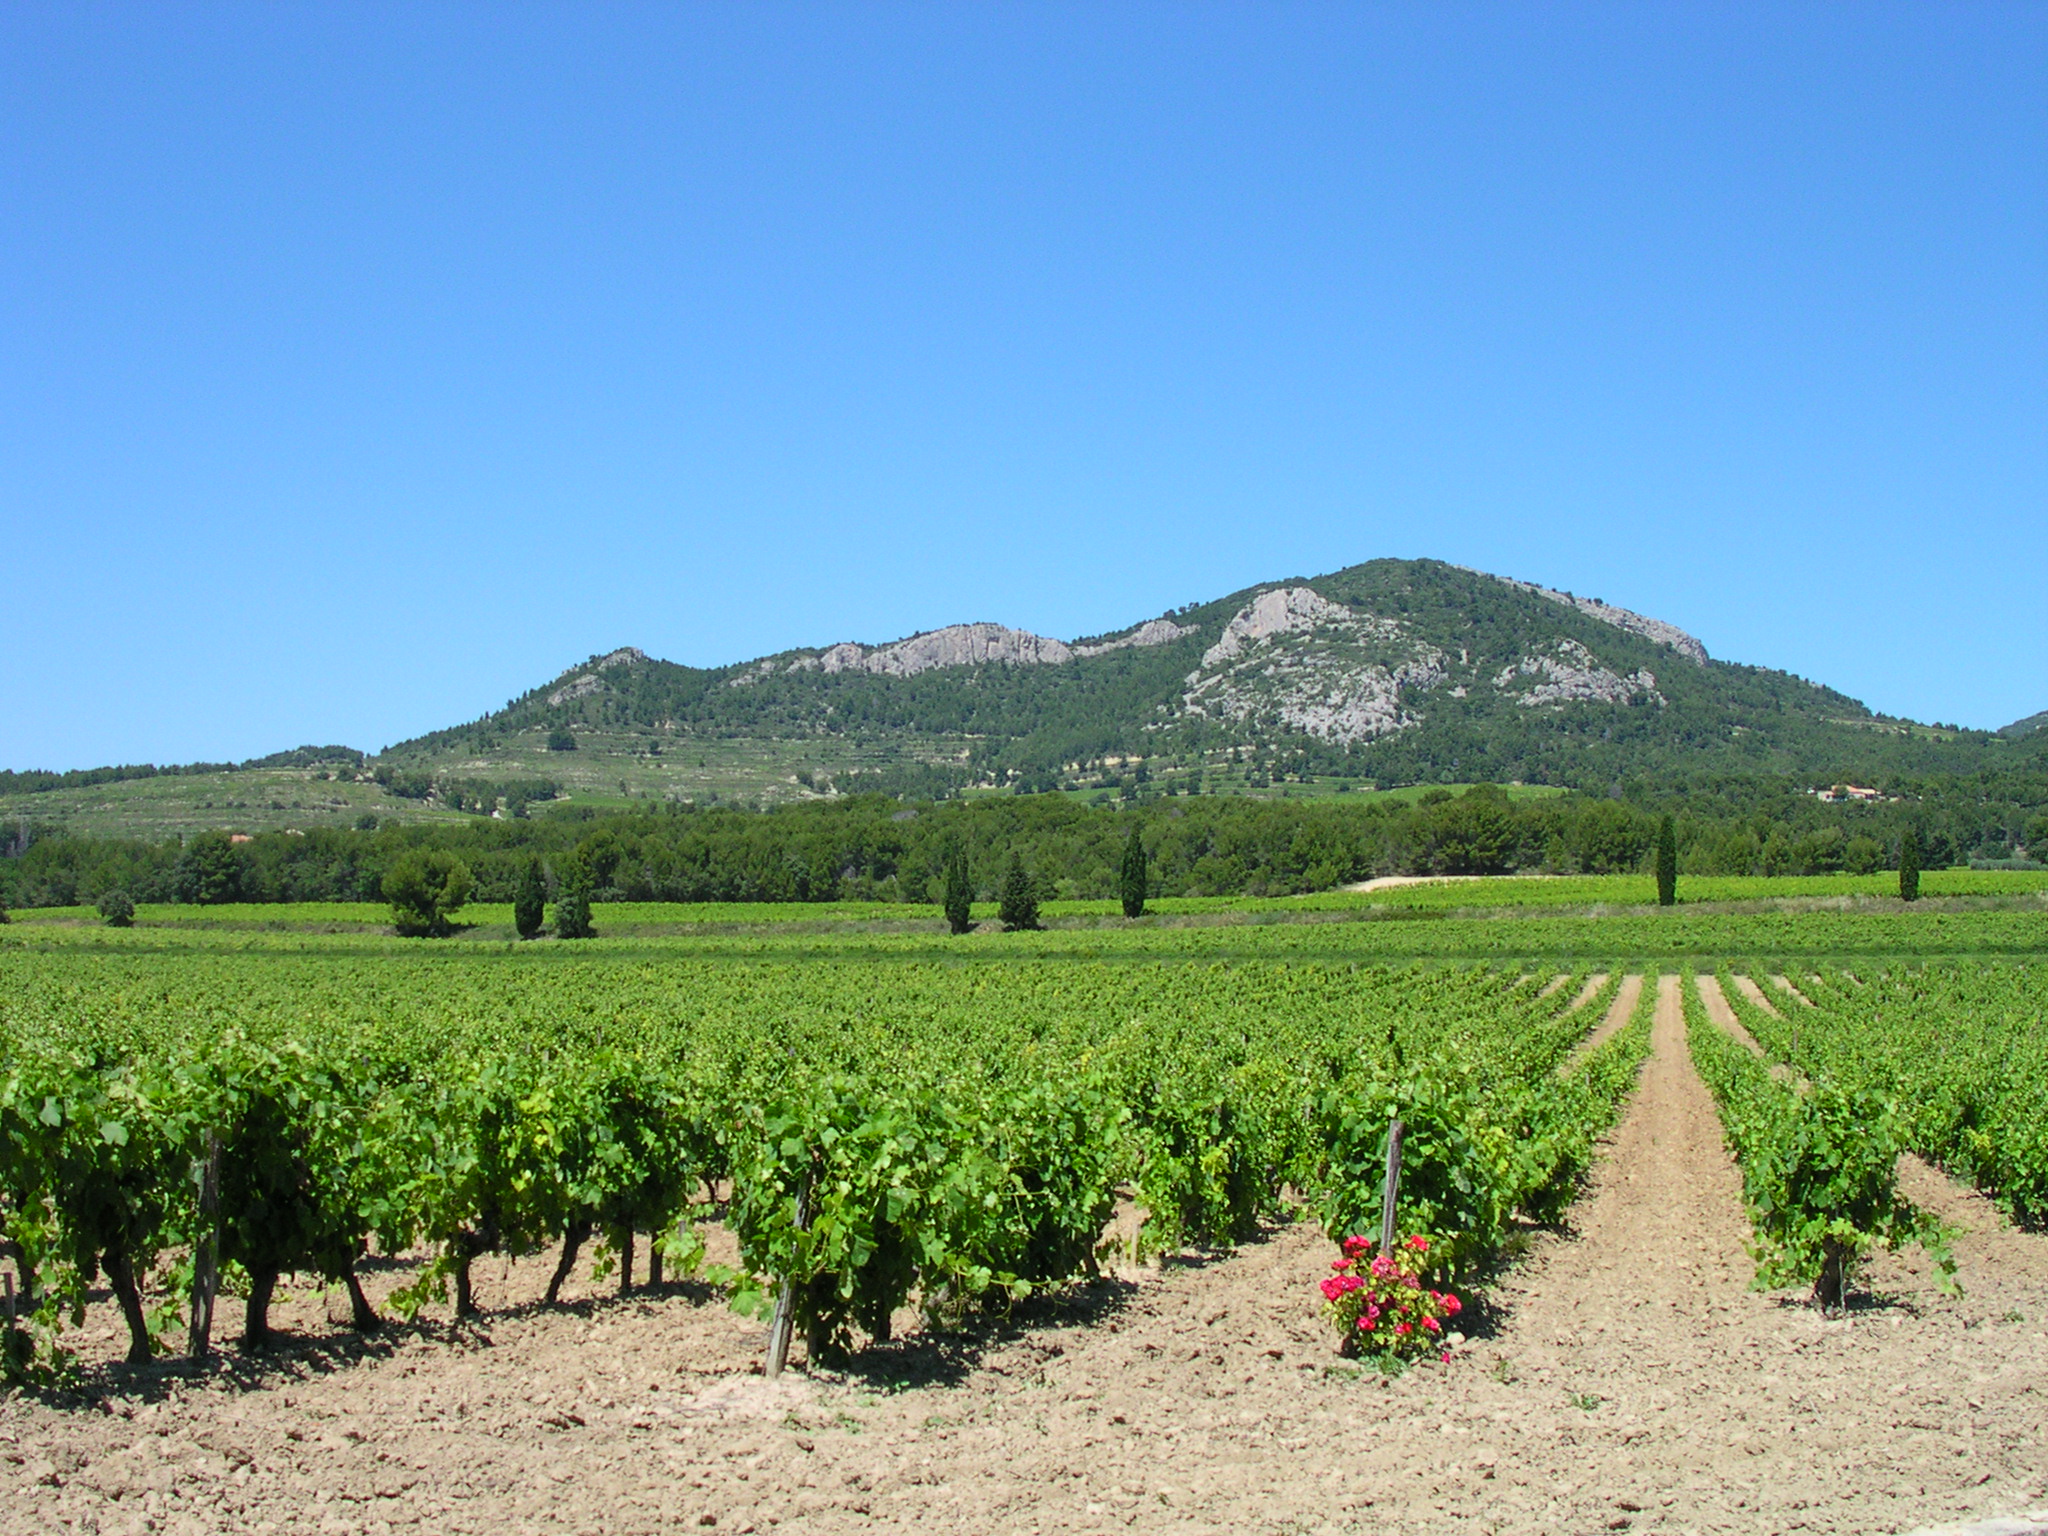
x=1622, y=1377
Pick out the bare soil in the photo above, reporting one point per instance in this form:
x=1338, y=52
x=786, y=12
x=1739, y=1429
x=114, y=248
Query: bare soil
x=1622, y=1377
x=1590, y=990
x=1747, y=986
x=1784, y=985
x=1619, y=1012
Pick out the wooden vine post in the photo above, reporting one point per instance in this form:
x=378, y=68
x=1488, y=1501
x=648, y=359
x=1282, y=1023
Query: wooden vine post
x=1390, y=1190
x=784, y=1320
x=206, y=1250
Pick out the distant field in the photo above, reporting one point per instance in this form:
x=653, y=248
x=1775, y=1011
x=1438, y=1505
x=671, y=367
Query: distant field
x=1966, y=913
x=253, y=800
x=608, y=771
x=1577, y=893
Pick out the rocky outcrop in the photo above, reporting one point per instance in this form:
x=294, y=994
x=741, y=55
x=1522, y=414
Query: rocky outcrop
x=1151, y=632
x=1293, y=657
x=584, y=684
x=1282, y=611
x=1621, y=618
x=1572, y=674
x=958, y=645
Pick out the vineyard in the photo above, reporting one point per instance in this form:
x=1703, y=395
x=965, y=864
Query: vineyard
x=1105, y=1145
x=952, y=1135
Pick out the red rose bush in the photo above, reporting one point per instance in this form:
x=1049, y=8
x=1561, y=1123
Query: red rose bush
x=1379, y=1305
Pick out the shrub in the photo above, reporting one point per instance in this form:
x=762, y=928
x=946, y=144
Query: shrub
x=117, y=907
x=425, y=888
x=561, y=740
x=1379, y=1305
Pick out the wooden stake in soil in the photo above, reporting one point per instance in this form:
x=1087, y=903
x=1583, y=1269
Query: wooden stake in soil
x=1390, y=1190
x=785, y=1299
x=206, y=1251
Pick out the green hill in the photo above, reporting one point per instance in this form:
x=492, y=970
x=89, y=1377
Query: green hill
x=1392, y=672
x=1384, y=674
x=2027, y=727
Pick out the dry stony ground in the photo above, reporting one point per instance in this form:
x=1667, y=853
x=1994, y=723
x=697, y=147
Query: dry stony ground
x=1624, y=1378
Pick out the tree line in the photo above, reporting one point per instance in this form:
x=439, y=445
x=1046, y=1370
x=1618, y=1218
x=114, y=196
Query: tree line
x=872, y=848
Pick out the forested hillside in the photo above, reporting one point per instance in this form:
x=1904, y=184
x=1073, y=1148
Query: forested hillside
x=1322, y=693
x=1390, y=672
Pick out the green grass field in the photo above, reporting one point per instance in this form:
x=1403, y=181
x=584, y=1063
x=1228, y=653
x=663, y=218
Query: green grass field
x=1580, y=895
x=1565, y=921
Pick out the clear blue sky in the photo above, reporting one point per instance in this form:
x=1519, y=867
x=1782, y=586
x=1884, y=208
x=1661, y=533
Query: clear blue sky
x=363, y=366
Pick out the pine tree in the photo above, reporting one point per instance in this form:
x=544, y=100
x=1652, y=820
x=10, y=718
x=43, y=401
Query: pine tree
x=529, y=904
x=1131, y=875
x=1667, y=863
x=1020, y=897
x=959, y=892
x=1909, y=865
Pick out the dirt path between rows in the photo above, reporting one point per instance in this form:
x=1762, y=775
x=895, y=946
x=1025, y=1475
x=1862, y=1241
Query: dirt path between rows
x=1619, y=1012
x=1747, y=986
x=1630, y=1381
x=1784, y=985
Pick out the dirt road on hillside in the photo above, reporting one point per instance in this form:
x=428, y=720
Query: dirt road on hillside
x=1632, y=1382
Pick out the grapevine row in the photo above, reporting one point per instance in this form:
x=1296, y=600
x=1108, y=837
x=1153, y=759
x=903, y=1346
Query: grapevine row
x=874, y=1133
x=1962, y=1054
x=1819, y=1160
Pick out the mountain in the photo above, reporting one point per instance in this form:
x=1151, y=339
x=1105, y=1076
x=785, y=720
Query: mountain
x=1390, y=672
x=2026, y=727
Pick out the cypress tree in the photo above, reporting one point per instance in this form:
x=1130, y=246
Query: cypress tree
x=959, y=892
x=1130, y=876
x=1020, y=897
x=572, y=904
x=572, y=915
x=1667, y=863
x=529, y=904
x=1909, y=865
